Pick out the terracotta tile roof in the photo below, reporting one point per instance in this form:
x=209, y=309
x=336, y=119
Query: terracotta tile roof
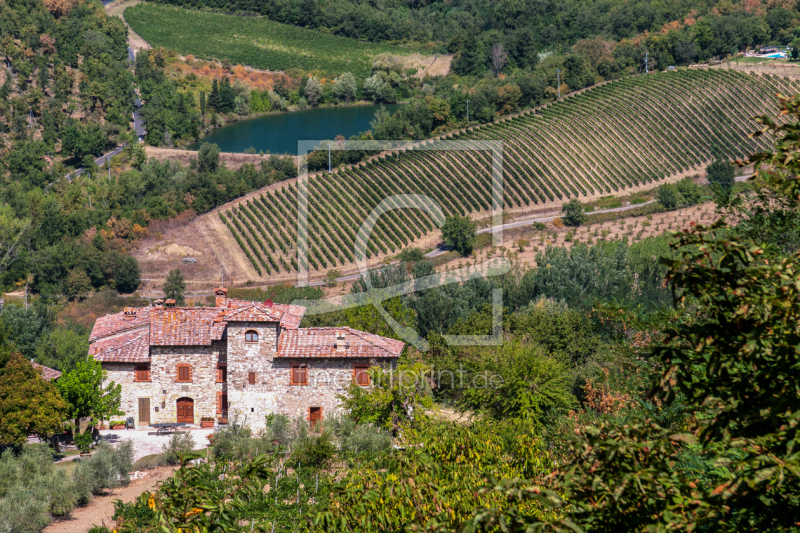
x=322, y=342
x=132, y=347
x=183, y=326
x=241, y=311
x=118, y=323
x=291, y=315
x=47, y=373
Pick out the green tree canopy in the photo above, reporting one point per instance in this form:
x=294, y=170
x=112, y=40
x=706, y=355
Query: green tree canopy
x=175, y=286
x=721, y=173
x=572, y=213
x=62, y=349
x=29, y=404
x=83, y=390
x=459, y=234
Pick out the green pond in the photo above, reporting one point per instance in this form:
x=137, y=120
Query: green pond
x=279, y=133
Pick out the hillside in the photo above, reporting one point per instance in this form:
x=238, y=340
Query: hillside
x=256, y=42
x=608, y=140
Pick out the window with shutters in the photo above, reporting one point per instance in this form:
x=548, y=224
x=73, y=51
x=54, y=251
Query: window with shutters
x=251, y=378
x=141, y=373
x=222, y=373
x=184, y=373
x=251, y=336
x=299, y=375
x=361, y=374
x=222, y=403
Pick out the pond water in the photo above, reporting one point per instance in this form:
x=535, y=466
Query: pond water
x=279, y=133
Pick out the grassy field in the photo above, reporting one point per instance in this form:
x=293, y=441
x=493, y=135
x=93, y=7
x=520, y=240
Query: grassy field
x=256, y=42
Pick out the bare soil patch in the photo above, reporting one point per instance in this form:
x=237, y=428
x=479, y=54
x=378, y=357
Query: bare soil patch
x=232, y=160
x=100, y=510
x=633, y=228
x=116, y=9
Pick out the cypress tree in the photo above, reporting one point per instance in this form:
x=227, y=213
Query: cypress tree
x=213, y=98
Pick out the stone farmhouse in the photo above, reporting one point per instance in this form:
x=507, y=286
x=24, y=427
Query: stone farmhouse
x=184, y=364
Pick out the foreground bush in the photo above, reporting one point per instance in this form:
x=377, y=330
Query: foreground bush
x=33, y=490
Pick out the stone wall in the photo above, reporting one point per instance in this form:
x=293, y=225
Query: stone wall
x=251, y=402
x=123, y=374
x=272, y=391
x=202, y=389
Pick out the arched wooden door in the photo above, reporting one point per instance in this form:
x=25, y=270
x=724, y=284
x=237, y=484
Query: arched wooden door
x=186, y=410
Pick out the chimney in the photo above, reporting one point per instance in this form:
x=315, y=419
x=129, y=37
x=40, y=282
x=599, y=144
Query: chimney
x=222, y=296
x=130, y=312
x=170, y=303
x=340, y=343
x=268, y=303
x=159, y=304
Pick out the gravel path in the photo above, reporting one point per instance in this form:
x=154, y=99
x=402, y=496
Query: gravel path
x=144, y=444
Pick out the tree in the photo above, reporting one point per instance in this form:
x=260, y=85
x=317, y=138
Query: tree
x=796, y=49
x=518, y=382
x=62, y=349
x=469, y=62
x=459, y=234
x=175, y=286
x=84, y=392
x=213, y=97
x=77, y=285
x=397, y=397
x=721, y=174
x=29, y=404
x=12, y=231
x=208, y=158
x=127, y=274
x=572, y=213
x=499, y=58
x=313, y=92
x=344, y=87
x=669, y=196
x=331, y=278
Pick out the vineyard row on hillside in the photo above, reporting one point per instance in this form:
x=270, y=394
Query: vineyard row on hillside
x=635, y=131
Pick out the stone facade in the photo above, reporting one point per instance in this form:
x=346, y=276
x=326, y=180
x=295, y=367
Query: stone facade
x=256, y=347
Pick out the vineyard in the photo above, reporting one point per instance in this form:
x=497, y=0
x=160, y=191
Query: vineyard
x=256, y=42
x=603, y=141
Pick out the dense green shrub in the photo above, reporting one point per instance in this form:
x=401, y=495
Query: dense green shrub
x=83, y=441
x=315, y=451
x=33, y=490
x=178, y=444
x=107, y=468
x=572, y=213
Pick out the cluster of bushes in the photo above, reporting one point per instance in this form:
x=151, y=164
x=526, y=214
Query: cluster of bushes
x=313, y=449
x=33, y=490
x=682, y=194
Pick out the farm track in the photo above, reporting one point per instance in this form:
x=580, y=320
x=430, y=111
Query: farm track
x=616, y=138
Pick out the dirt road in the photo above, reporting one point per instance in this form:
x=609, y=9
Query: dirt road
x=100, y=510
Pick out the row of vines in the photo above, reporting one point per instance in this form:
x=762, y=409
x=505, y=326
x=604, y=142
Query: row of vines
x=635, y=131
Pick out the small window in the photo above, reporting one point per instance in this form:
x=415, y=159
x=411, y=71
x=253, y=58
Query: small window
x=251, y=336
x=251, y=378
x=361, y=374
x=142, y=373
x=222, y=373
x=184, y=373
x=299, y=375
